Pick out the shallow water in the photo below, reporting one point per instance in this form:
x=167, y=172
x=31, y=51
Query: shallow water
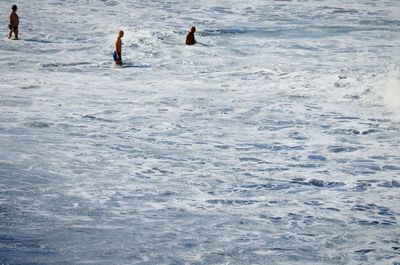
x=273, y=141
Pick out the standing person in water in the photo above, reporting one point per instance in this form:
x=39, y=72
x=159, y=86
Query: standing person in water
x=118, y=49
x=13, y=23
x=190, y=40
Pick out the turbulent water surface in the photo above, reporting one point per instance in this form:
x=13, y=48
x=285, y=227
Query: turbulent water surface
x=274, y=140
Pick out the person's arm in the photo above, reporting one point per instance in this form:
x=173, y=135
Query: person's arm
x=117, y=47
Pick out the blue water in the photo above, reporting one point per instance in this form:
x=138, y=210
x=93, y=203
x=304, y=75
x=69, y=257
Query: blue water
x=275, y=140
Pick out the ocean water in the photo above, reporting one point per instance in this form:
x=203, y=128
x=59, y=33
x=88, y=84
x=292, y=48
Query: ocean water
x=274, y=140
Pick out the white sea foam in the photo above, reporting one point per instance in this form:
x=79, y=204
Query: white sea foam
x=275, y=139
x=392, y=95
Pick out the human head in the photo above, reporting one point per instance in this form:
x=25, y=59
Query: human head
x=14, y=7
x=193, y=29
x=120, y=34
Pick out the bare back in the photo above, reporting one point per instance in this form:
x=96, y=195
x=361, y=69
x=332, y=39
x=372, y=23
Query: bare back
x=14, y=19
x=190, y=40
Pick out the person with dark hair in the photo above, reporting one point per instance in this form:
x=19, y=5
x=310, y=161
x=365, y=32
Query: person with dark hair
x=190, y=40
x=13, y=22
x=118, y=49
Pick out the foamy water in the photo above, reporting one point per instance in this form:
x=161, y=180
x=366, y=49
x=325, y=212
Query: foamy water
x=392, y=95
x=275, y=140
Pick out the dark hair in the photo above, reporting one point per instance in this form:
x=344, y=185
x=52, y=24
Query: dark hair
x=14, y=7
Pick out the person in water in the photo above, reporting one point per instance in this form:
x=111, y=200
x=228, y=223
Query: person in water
x=190, y=40
x=13, y=22
x=118, y=49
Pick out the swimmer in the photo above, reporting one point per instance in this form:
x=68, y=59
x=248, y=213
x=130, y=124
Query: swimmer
x=190, y=40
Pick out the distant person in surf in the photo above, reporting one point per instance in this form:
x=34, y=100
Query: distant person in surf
x=13, y=22
x=190, y=40
x=118, y=49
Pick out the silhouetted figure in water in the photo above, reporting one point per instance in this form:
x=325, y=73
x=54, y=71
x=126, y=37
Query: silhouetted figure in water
x=13, y=22
x=190, y=40
x=118, y=49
